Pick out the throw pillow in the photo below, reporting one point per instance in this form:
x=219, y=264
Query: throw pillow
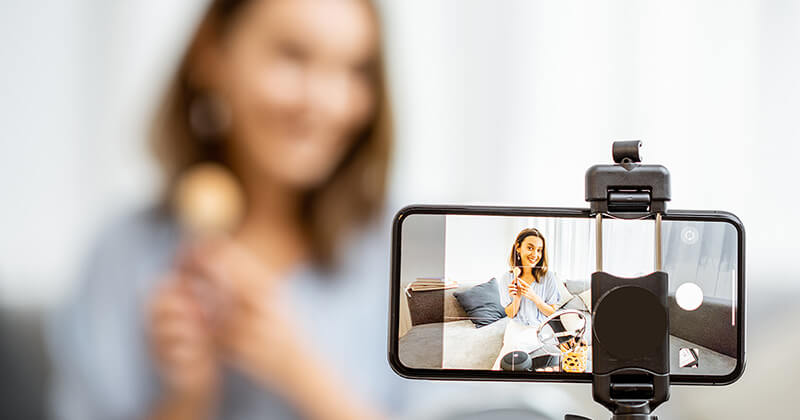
x=482, y=303
x=576, y=287
x=565, y=295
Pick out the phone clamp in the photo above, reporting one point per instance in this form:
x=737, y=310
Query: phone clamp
x=627, y=186
x=630, y=373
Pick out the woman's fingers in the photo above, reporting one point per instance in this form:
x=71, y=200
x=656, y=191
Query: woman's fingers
x=206, y=260
x=168, y=300
x=228, y=269
x=180, y=331
x=523, y=288
x=176, y=321
x=177, y=329
x=185, y=359
x=171, y=307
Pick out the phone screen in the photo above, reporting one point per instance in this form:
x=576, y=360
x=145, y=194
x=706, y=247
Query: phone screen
x=482, y=294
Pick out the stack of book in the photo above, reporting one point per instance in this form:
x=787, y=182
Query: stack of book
x=432, y=283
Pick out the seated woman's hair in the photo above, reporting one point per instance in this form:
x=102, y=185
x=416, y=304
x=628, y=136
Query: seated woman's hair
x=515, y=260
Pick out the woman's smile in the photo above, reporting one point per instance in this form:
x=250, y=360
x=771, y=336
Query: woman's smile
x=530, y=252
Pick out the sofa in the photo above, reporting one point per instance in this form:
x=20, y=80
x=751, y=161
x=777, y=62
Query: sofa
x=442, y=336
x=438, y=320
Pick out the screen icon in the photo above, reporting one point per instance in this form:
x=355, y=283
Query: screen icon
x=689, y=358
x=690, y=235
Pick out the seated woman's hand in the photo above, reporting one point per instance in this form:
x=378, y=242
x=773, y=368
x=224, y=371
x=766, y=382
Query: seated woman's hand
x=525, y=290
x=255, y=331
x=182, y=343
x=513, y=291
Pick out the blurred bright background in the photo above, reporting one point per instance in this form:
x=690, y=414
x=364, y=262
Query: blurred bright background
x=499, y=102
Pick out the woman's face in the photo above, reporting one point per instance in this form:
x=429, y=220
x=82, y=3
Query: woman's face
x=530, y=251
x=298, y=78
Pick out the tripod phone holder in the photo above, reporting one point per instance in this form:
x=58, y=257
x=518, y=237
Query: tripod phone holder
x=630, y=375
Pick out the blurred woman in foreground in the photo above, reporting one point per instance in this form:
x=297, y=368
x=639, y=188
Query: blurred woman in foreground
x=278, y=319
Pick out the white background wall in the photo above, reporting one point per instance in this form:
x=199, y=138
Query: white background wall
x=478, y=247
x=497, y=102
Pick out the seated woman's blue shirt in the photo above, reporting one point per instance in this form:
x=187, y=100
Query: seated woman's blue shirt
x=529, y=314
x=103, y=368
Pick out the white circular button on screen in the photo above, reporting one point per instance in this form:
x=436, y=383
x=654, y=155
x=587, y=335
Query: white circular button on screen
x=689, y=235
x=689, y=296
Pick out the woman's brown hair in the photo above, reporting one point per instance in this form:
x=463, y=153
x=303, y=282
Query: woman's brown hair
x=352, y=195
x=515, y=260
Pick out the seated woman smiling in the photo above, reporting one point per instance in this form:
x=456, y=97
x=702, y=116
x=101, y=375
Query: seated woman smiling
x=528, y=291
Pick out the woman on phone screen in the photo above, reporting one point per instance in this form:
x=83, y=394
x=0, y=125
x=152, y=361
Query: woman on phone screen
x=528, y=290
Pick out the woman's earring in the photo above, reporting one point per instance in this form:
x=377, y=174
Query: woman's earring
x=209, y=117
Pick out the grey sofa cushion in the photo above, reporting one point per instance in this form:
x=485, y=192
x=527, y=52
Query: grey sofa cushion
x=421, y=347
x=482, y=303
x=452, y=345
x=709, y=325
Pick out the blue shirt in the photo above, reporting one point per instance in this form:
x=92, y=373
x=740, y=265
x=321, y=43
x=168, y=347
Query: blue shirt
x=102, y=365
x=529, y=314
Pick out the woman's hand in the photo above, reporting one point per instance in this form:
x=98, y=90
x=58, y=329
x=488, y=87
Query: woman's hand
x=184, y=351
x=516, y=297
x=524, y=289
x=257, y=333
x=254, y=330
x=513, y=308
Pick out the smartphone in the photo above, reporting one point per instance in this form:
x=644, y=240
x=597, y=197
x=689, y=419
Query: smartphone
x=458, y=311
